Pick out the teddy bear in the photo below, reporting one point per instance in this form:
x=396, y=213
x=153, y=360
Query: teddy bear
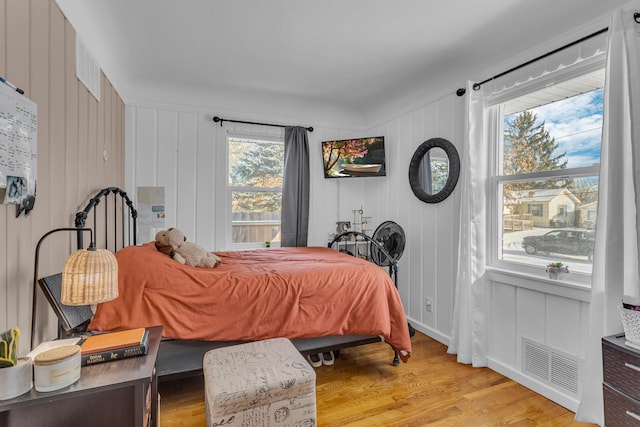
x=174, y=243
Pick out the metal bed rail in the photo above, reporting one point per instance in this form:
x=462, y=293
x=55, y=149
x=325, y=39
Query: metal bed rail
x=389, y=261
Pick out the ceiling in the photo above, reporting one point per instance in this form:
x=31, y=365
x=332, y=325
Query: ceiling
x=353, y=59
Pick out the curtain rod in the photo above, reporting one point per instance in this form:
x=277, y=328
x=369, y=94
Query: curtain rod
x=221, y=120
x=477, y=86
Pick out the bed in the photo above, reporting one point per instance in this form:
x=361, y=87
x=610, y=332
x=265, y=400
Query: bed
x=320, y=298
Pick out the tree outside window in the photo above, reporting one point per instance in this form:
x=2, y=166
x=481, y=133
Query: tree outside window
x=255, y=180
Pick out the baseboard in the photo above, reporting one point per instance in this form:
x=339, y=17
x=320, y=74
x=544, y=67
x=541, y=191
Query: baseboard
x=430, y=332
x=550, y=393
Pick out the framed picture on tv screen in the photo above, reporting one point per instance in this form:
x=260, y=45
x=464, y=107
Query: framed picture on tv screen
x=359, y=157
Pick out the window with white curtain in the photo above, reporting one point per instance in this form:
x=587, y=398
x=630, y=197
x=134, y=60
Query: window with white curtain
x=255, y=172
x=544, y=186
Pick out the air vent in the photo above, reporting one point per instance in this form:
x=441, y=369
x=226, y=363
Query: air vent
x=551, y=366
x=87, y=69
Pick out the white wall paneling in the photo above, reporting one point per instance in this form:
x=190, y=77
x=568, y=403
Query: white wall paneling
x=531, y=305
x=166, y=174
x=564, y=324
x=146, y=142
x=504, y=321
x=323, y=203
x=188, y=174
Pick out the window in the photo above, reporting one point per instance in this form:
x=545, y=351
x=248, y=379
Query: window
x=545, y=183
x=535, y=209
x=255, y=172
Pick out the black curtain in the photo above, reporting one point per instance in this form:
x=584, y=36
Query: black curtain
x=295, y=188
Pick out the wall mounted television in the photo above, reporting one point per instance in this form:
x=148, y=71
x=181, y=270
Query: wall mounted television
x=348, y=158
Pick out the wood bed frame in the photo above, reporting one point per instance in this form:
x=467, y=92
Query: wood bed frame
x=183, y=358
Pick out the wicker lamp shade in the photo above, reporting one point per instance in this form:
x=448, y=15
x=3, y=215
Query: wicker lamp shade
x=90, y=276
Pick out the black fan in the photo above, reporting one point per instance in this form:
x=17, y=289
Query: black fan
x=391, y=236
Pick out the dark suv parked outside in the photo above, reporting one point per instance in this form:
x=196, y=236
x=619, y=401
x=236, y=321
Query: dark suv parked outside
x=562, y=241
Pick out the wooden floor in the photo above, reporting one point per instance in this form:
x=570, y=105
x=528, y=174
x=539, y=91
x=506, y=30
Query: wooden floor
x=362, y=388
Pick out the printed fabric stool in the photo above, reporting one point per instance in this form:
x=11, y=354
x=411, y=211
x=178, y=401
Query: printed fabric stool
x=263, y=383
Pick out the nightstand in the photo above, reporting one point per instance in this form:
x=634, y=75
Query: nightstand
x=621, y=387
x=119, y=393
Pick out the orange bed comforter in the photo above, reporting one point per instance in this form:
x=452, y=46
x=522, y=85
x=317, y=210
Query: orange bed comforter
x=256, y=294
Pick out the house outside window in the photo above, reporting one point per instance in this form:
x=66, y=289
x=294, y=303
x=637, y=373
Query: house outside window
x=255, y=173
x=545, y=182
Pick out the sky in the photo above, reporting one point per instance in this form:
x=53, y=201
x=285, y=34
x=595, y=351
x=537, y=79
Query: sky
x=576, y=125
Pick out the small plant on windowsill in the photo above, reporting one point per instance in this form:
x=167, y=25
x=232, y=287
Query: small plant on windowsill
x=267, y=243
x=555, y=269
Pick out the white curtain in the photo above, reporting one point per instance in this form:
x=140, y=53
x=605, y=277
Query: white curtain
x=469, y=335
x=470, y=317
x=615, y=269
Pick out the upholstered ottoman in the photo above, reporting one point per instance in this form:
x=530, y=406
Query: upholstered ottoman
x=264, y=383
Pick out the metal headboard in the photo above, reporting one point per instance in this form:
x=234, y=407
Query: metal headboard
x=128, y=216
x=342, y=240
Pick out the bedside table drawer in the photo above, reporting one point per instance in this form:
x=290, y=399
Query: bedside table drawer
x=620, y=410
x=621, y=371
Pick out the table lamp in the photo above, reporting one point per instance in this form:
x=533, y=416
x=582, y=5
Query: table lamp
x=89, y=276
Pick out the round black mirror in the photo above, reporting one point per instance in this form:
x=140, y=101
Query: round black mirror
x=434, y=170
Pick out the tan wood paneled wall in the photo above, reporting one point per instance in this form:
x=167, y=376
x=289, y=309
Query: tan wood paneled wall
x=80, y=150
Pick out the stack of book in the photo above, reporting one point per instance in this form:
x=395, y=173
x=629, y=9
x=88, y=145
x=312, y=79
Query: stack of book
x=112, y=346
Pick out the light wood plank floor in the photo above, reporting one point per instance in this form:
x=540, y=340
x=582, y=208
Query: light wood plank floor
x=362, y=388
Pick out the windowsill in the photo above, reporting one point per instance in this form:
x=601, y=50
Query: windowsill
x=564, y=287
